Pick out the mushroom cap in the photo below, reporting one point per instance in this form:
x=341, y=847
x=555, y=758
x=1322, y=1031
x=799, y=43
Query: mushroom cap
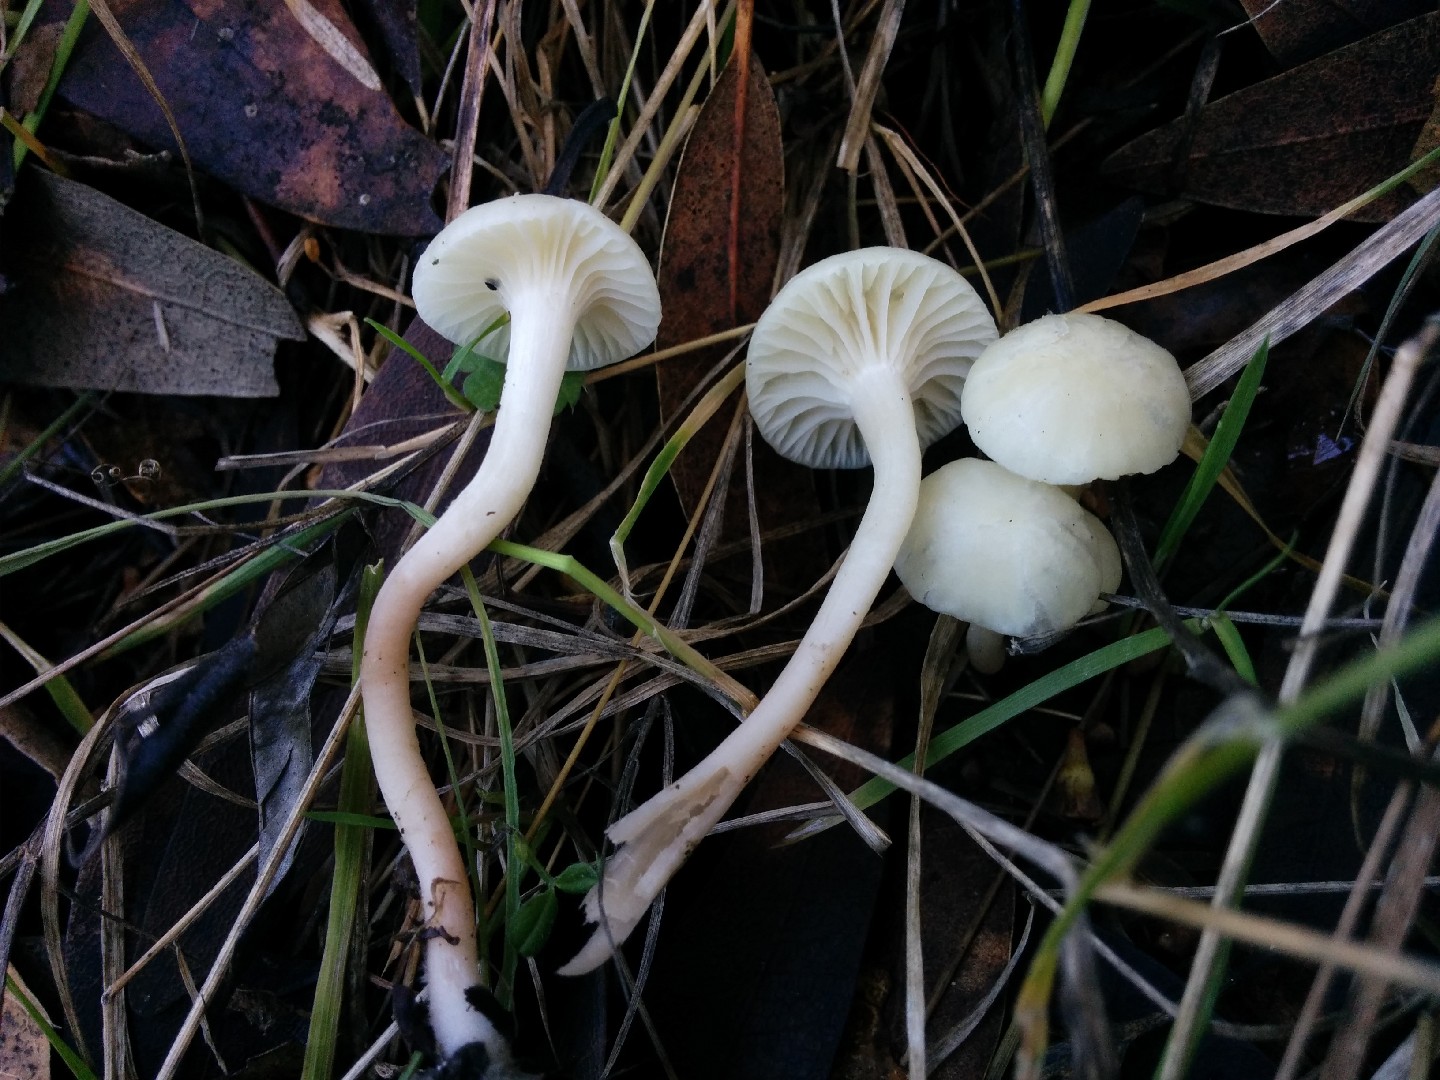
x=1072, y=398
x=876, y=307
x=1012, y=555
x=500, y=253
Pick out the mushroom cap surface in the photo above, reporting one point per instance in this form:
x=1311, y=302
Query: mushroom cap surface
x=1072, y=398
x=875, y=307
x=1012, y=555
x=584, y=265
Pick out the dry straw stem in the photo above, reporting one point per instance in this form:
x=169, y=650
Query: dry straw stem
x=1373, y=450
x=1298, y=311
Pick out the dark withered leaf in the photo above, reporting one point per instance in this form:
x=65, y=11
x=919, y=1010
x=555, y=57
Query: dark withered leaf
x=262, y=106
x=104, y=298
x=1306, y=141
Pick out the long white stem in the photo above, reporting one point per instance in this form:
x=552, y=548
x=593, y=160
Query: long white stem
x=539, y=343
x=656, y=838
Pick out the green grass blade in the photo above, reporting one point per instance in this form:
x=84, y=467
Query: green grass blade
x=451, y=394
x=352, y=855
x=72, y=1060
x=1223, y=747
x=62, y=692
x=1234, y=646
x=988, y=719
x=1217, y=455
x=68, y=39
x=83, y=402
x=514, y=865
x=704, y=409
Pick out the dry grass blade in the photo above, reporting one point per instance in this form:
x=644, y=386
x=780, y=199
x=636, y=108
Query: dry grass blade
x=857, y=126
x=328, y=36
x=1369, y=257
x=1209, y=954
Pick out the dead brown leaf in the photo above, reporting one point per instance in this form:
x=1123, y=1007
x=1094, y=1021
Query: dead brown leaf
x=263, y=106
x=1300, y=30
x=1305, y=141
x=695, y=280
x=105, y=298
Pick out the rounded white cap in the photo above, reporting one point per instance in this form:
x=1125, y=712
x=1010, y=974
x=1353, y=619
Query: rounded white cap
x=1072, y=398
x=862, y=309
x=1012, y=555
x=560, y=254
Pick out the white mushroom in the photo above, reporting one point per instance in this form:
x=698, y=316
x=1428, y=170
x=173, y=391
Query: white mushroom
x=1068, y=399
x=860, y=358
x=578, y=292
x=1008, y=555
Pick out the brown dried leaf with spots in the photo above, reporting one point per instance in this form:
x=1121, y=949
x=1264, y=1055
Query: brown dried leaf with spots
x=264, y=107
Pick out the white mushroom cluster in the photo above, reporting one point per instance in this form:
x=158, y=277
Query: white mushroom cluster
x=863, y=359
x=1066, y=399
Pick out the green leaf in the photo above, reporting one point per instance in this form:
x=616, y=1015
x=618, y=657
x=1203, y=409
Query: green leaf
x=578, y=877
x=531, y=927
x=571, y=385
x=484, y=381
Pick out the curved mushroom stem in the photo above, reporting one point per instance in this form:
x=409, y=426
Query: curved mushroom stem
x=985, y=648
x=540, y=343
x=655, y=838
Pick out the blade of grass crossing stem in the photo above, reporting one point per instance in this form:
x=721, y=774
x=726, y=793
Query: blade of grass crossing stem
x=1398, y=299
x=68, y=39
x=1217, y=456
x=675, y=645
x=612, y=136
x=1218, y=751
x=61, y=692
x=514, y=867
x=704, y=409
x=72, y=1060
x=253, y=569
x=20, y=560
x=81, y=403
x=451, y=394
x=1234, y=646
x=988, y=719
x=352, y=854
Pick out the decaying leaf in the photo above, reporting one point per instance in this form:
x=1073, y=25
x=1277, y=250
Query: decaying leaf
x=1305, y=141
x=263, y=106
x=105, y=298
x=695, y=271
x=1300, y=30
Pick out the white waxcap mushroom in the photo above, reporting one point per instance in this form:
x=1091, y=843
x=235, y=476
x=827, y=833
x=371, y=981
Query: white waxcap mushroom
x=858, y=359
x=579, y=293
x=996, y=550
x=583, y=266
x=876, y=307
x=1068, y=399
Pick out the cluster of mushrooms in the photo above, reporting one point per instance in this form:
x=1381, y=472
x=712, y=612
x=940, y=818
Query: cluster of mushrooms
x=865, y=358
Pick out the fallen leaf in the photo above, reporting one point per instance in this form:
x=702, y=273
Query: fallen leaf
x=1305, y=141
x=104, y=298
x=263, y=106
x=23, y=1049
x=696, y=288
x=1300, y=30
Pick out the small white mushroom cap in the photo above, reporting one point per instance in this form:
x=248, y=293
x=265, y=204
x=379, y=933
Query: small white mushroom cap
x=1012, y=555
x=561, y=255
x=834, y=320
x=1068, y=399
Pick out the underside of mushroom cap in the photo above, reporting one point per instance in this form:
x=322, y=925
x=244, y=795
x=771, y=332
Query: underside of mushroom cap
x=560, y=254
x=1068, y=399
x=862, y=309
x=1012, y=555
